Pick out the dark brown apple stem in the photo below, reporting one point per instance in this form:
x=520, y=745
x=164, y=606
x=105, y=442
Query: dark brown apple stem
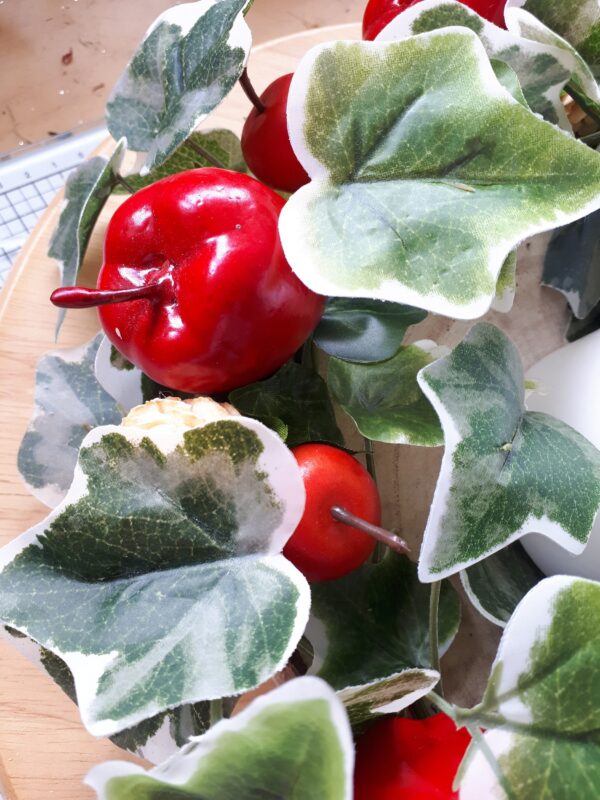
x=251, y=92
x=82, y=297
x=380, y=534
x=125, y=184
x=203, y=153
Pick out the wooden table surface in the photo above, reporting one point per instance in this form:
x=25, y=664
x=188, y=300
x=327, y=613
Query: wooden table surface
x=44, y=750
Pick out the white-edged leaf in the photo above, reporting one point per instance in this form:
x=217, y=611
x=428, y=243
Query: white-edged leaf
x=543, y=69
x=154, y=739
x=159, y=579
x=541, y=708
x=572, y=264
x=389, y=695
x=505, y=471
x=506, y=286
x=117, y=376
x=293, y=743
x=87, y=189
x=69, y=402
x=577, y=21
x=370, y=635
x=189, y=60
x=583, y=85
x=385, y=400
x=497, y=584
x=413, y=199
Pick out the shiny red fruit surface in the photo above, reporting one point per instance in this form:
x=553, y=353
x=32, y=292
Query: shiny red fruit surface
x=228, y=309
x=379, y=13
x=320, y=547
x=266, y=143
x=409, y=759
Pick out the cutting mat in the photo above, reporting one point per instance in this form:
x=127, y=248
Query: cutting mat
x=44, y=750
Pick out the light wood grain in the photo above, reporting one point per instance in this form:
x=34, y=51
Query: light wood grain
x=44, y=749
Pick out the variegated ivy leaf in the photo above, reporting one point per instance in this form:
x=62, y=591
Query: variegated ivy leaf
x=506, y=471
x=293, y=743
x=572, y=264
x=497, y=584
x=69, y=402
x=384, y=398
x=582, y=85
x=577, y=21
x=543, y=70
x=189, y=60
x=223, y=145
x=541, y=709
x=386, y=696
x=506, y=286
x=398, y=210
x=87, y=190
x=118, y=376
x=296, y=400
x=158, y=580
x=370, y=635
x=155, y=738
x=363, y=330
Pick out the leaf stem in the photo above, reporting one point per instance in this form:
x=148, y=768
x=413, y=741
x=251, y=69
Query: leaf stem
x=203, y=153
x=125, y=184
x=380, y=534
x=250, y=92
x=481, y=742
x=434, y=645
x=443, y=705
x=215, y=712
x=590, y=108
x=370, y=458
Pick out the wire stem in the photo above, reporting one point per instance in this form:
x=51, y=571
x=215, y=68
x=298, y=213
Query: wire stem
x=250, y=92
x=203, y=153
x=434, y=645
x=125, y=184
x=380, y=534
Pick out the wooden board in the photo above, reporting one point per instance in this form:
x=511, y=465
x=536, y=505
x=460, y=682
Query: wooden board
x=44, y=750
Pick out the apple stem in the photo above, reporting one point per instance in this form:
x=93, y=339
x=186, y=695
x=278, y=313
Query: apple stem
x=380, y=534
x=125, y=184
x=251, y=92
x=83, y=297
x=203, y=153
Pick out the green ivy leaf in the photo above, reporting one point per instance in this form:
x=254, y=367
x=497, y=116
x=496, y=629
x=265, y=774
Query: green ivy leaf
x=156, y=738
x=220, y=143
x=572, y=264
x=190, y=59
x=542, y=70
x=69, y=402
x=363, y=330
x=497, y=584
x=579, y=328
x=541, y=708
x=506, y=286
x=582, y=85
x=87, y=189
x=399, y=211
x=384, y=398
x=386, y=696
x=370, y=630
x=577, y=21
x=297, y=399
x=506, y=471
x=293, y=743
x=158, y=580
